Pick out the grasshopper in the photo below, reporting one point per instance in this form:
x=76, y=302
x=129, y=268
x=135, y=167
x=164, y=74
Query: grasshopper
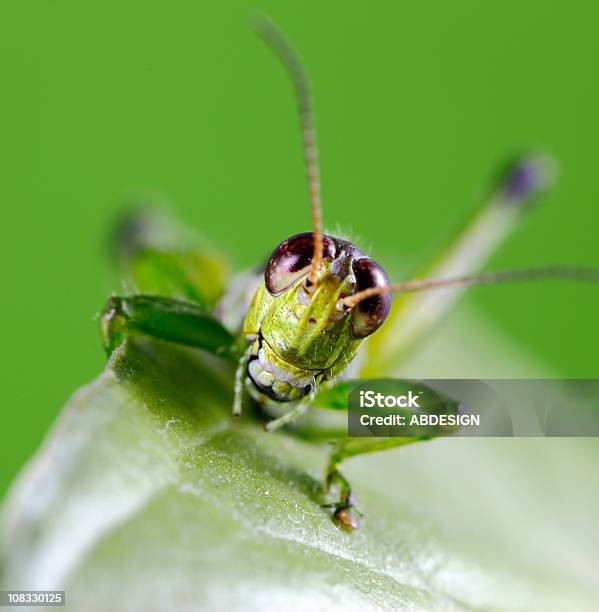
x=297, y=326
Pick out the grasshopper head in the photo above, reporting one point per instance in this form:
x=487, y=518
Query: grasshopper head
x=303, y=316
x=307, y=322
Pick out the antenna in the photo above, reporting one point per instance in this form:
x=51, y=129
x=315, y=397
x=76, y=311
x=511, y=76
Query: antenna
x=590, y=275
x=274, y=38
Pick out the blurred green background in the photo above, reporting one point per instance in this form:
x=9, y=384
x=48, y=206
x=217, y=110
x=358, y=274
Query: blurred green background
x=416, y=105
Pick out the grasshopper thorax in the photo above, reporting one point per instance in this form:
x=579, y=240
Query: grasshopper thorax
x=301, y=328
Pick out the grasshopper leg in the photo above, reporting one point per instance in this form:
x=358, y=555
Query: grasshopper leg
x=336, y=397
x=239, y=372
x=288, y=417
x=165, y=319
x=338, y=487
x=158, y=257
x=414, y=314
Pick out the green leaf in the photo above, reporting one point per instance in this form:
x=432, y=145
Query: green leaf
x=147, y=495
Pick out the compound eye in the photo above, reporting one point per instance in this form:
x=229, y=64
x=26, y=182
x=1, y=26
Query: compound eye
x=369, y=314
x=291, y=260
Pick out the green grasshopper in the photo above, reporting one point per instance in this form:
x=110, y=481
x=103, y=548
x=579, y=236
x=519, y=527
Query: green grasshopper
x=295, y=329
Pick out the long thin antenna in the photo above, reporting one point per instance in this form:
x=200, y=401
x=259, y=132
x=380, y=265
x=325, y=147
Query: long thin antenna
x=590, y=275
x=291, y=60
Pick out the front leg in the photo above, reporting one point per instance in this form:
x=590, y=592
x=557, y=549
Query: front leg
x=295, y=413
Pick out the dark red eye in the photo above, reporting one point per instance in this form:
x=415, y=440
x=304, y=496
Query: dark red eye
x=290, y=260
x=369, y=314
